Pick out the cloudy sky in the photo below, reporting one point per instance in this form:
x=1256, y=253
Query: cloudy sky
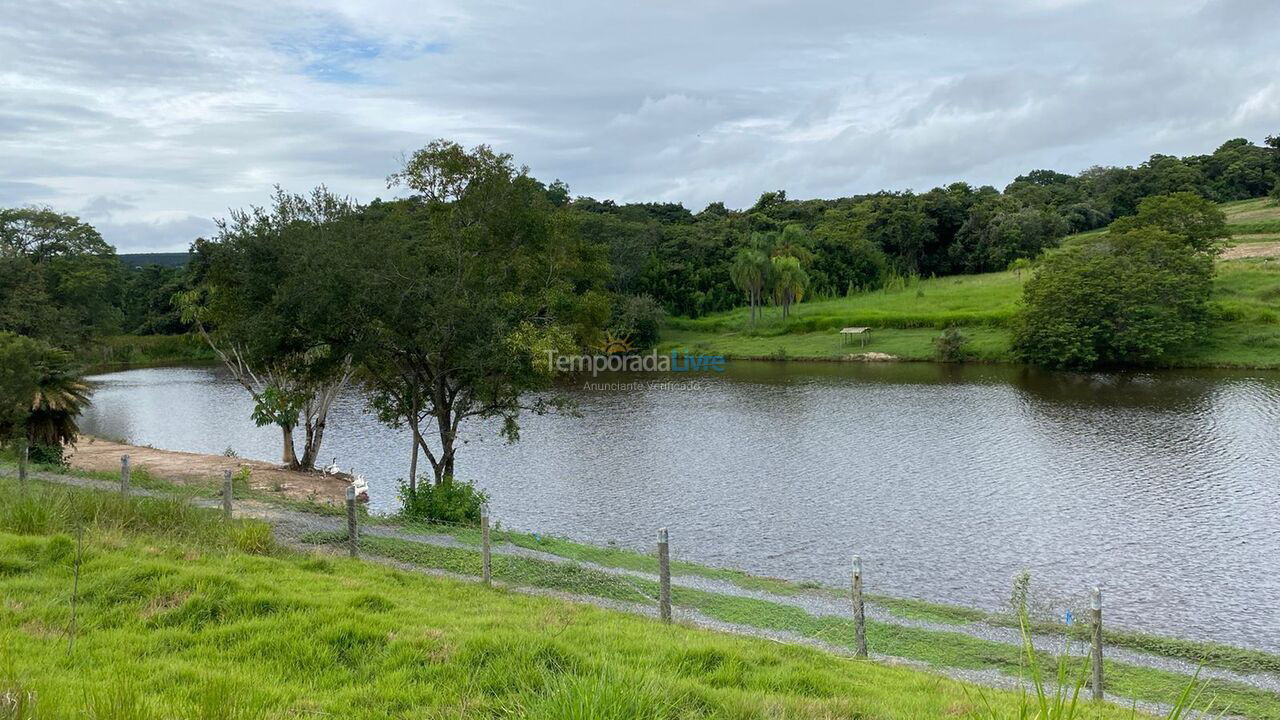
x=150, y=117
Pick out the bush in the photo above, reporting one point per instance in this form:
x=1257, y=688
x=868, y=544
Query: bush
x=1127, y=299
x=451, y=501
x=1275, y=194
x=950, y=346
x=47, y=455
x=639, y=319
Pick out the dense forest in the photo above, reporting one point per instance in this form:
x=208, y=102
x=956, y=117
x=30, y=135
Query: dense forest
x=61, y=281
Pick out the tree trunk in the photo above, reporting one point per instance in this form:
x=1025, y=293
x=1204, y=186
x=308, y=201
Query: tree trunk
x=290, y=459
x=444, y=423
x=315, y=436
x=413, y=459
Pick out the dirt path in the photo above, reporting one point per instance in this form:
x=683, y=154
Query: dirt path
x=103, y=455
x=1260, y=246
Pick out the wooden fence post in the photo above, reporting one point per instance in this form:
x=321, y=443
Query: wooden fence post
x=24, y=455
x=859, y=612
x=1095, y=603
x=353, y=532
x=124, y=475
x=664, y=577
x=226, y=493
x=484, y=538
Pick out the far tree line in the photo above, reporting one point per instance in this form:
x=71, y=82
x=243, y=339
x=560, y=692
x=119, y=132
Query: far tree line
x=440, y=305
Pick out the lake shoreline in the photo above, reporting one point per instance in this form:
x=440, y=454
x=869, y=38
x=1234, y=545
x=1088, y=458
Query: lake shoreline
x=99, y=455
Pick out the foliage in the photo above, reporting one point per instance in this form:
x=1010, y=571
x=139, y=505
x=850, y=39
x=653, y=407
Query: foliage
x=638, y=318
x=1129, y=298
x=505, y=275
x=951, y=346
x=59, y=279
x=1275, y=194
x=448, y=501
x=148, y=301
x=789, y=282
x=41, y=392
x=254, y=300
x=751, y=272
x=1198, y=221
x=51, y=455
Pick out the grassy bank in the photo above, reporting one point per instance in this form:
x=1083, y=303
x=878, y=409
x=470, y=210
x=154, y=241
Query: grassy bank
x=907, y=317
x=122, y=352
x=906, y=320
x=181, y=614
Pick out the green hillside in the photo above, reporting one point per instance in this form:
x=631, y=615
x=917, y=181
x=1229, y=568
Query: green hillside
x=140, y=260
x=908, y=317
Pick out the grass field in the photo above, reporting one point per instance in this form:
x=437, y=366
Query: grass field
x=907, y=319
x=181, y=614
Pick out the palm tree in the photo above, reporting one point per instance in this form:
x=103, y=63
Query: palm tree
x=749, y=271
x=58, y=399
x=794, y=241
x=789, y=282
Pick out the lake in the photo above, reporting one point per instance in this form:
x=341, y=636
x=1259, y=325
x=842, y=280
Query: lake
x=1163, y=488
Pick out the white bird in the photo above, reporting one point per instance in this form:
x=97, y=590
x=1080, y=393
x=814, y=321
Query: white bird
x=332, y=469
x=361, y=486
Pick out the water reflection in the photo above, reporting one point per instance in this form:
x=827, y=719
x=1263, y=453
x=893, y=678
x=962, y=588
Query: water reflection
x=949, y=479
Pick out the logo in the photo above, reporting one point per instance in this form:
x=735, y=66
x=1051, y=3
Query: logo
x=614, y=345
x=615, y=353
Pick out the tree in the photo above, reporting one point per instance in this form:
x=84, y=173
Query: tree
x=255, y=303
x=1199, y=222
x=1275, y=194
x=59, y=280
x=1126, y=299
x=461, y=297
x=750, y=271
x=790, y=282
x=41, y=392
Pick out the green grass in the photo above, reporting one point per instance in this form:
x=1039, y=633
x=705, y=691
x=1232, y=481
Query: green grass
x=120, y=352
x=1250, y=211
x=178, y=617
x=529, y=571
x=954, y=650
x=1245, y=331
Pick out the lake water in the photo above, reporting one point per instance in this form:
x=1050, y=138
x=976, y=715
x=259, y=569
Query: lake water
x=1162, y=488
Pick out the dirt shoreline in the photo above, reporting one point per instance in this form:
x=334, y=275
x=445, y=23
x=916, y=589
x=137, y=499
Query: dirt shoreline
x=97, y=454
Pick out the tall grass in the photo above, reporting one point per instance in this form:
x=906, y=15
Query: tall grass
x=1058, y=696
x=54, y=510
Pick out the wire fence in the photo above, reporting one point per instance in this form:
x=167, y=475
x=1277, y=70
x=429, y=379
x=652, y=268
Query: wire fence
x=659, y=584
x=649, y=575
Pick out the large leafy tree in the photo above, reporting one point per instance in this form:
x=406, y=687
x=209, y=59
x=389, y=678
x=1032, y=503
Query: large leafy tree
x=254, y=301
x=460, y=295
x=59, y=280
x=1199, y=222
x=1129, y=298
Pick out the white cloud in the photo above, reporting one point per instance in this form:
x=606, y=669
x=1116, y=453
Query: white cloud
x=151, y=117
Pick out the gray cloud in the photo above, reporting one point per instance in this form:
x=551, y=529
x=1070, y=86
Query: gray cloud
x=151, y=117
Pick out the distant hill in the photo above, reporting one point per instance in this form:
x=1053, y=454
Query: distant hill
x=141, y=260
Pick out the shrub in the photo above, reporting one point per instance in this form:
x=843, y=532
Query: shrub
x=1127, y=299
x=950, y=346
x=639, y=319
x=47, y=455
x=1275, y=194
x=450, y=500
x=1200, y=223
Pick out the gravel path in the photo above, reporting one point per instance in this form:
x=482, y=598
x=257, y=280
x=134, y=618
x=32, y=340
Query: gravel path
x=292, y=525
